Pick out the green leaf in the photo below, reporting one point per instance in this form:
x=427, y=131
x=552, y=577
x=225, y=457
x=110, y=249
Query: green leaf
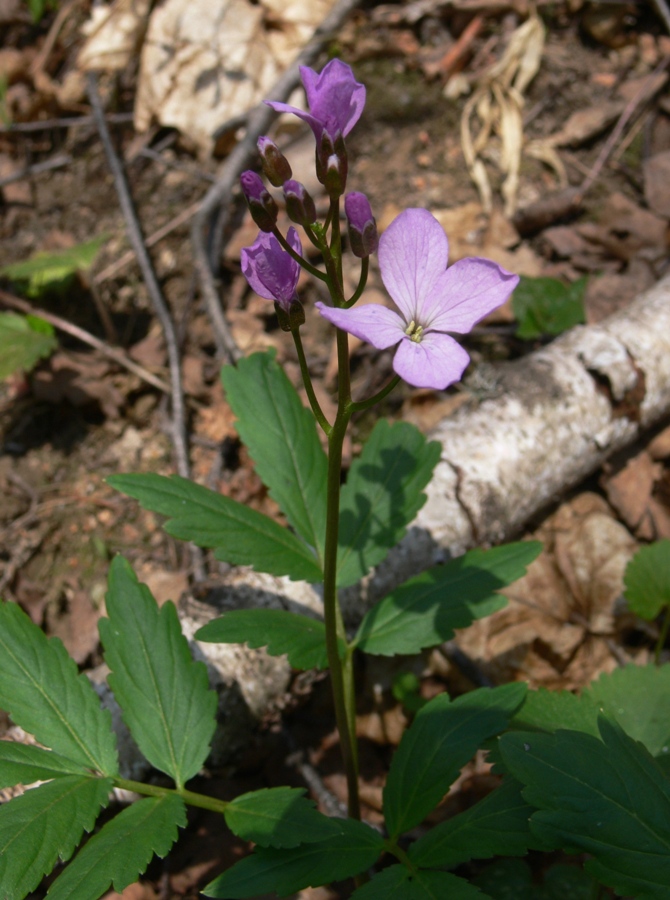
x=22, y=344
x=512, y=879
x=546, y=306
x=279, y=817
x=647, y=580
x=24, y=764
x=42, y=692
x=604, y=797
x=163, y=693
x=309, y=865
x=280, y=434
x=240, y=535
x=122, y=849
x=383, y=493
x=45, y=271
x=496, y=826
x=301, y=638
x=425, y=610
x=44, y=825
x=398, y=883
x=441, y=740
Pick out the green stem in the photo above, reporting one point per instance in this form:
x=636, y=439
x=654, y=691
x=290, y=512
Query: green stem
x=189, y=797
x=391, y=846
x=366, y=404
x=308, y=267
x=307, y=381
x=662, y=636
x=362, y=281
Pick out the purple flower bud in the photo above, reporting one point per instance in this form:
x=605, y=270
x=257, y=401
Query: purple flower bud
x=332, y=163
x=275, y=165
x=299, y=204
x=362, y=226
x=263, y=208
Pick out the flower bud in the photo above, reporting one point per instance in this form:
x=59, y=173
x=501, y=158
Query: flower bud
x=276, y=167
x=262, y=206
x=299, y=204
x=332, y=163
x=363, y=237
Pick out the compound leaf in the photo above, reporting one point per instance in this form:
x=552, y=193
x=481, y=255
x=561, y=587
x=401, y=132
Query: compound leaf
x=496, y=826
x=240, y=535
x=607, y=798
x=268, y=869
x=24, y=340
x=122, y=850
x=44, y=825
x=383, y=493
x=440, y=741
x=25, y=763
x=425, y=610
x=42, y=692
x=398, y=883
x=301, y=638
x=163, y=693
x=280, y=434
x=647, y=580
x=278, y=817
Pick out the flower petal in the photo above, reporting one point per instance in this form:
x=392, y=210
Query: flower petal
x=270, y=270
x=335, y=98
x=372, y=322
x=435, y=362
x=313, y=122
x=413, y=252
x=466, y=293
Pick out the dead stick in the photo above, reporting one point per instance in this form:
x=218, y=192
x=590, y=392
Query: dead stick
x=258, y=122
x=86, y=337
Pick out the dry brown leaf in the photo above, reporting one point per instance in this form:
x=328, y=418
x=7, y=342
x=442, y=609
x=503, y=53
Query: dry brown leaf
x=629, y=490
x=657, y=183
x=113, y=35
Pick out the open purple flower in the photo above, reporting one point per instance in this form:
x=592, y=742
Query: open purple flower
x=432, y=300
x=270, y=270
x=335, y=99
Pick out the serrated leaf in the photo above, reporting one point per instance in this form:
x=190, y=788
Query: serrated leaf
x=398, y=883
x=25, y=763
x=383, y=493
x=496, y=826
x=280, y=434
x=42, y=691
x=22, y=345
x=279, y=817
x=647, y=580
x=425, y=610
x=163, y=693
x=302, y=639
x=47, y=270
x=604, y=797
x=441, y=740
x=122, y=849
x=309, y=865
x=44, y=825
x=547, y=306
x=240, y=535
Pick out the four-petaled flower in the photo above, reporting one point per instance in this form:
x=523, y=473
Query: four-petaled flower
x=270, y=270
x=413, y=254
x=335, y=99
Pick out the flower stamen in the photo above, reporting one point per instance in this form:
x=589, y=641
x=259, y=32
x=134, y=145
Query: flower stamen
x=414, y=332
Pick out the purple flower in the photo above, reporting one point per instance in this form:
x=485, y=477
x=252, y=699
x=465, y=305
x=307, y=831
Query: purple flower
x=432, y=300
x=270, y=270
x=335, y=99
x=262, y=206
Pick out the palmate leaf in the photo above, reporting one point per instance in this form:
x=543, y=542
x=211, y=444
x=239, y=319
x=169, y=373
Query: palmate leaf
x=44, y=825
x=647, y=580
x=24, y=764
x=352, y=851
x=240, y=535
x=24, y=340
x=496, y=826
x=163, y=693
x=605, y=797
x=441, y=740
x=122, y=850
x=301, y=638
x=383, y=493
x=41, y=690
x=280, y=434
x=279, y=817
x=398, y=883
x=425, y=610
